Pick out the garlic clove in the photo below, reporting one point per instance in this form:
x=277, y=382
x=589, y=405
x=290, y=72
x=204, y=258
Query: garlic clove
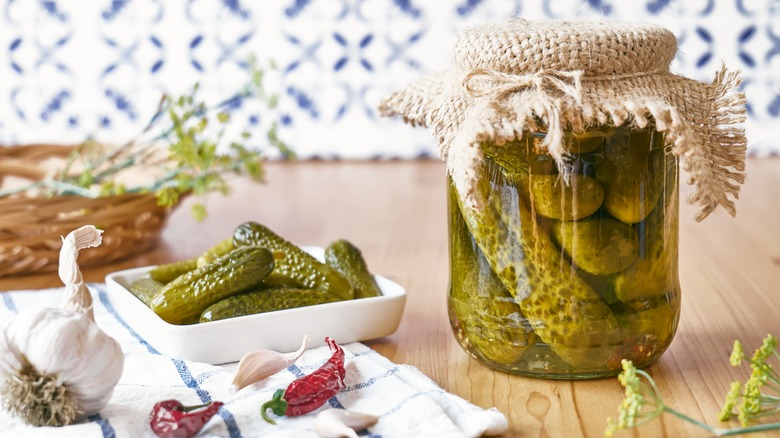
x=340, y=423
x=260, y=364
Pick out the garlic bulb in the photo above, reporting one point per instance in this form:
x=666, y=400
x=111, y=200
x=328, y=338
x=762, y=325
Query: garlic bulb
x=56, y=365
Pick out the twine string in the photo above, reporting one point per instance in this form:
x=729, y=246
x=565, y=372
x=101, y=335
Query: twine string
x=496, y=85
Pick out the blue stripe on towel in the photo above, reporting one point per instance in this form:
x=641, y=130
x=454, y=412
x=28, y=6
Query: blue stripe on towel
x=110, y=308
x=230, y=422
x=186, y=377
x=371, y=381
x=9, y=303
x=205, y=397
x=295, y=371
x=181, y=366
x=105, y=426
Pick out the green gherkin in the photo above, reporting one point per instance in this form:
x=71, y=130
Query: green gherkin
x=600, y=246
x=563, y=310
x=347, y=259
x=632, y=174
x=552, y=197
x=145, y=289
x=265, y=300
x=295, y=268
x=485, y=316
x=647, y=332
x=184, y=299
x=654, y=272
x=216, y=252
x=167, y=273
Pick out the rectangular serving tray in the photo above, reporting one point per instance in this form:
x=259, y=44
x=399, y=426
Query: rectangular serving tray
x=228, y=340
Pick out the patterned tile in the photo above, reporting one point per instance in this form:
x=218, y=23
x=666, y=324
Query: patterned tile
x=72, y=69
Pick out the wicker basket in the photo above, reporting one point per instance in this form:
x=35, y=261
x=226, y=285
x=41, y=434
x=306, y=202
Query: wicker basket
x=31, y=228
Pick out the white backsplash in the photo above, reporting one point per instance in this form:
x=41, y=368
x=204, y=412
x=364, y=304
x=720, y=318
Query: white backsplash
x=78, y=68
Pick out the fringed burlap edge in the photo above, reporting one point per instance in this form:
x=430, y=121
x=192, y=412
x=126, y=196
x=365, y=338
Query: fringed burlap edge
x=702, y=122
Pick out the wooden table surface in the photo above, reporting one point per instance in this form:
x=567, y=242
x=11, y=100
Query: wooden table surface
x=395, y=212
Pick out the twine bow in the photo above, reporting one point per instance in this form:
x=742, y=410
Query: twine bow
x=482, y=82
x=496, y=86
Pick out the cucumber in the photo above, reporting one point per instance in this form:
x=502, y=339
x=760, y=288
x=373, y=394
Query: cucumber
x=347, y=259
x=294, y=267
x=185, y=298
x=600, y=246
x=216, y=252
x=264, y=300
x=167, y=273
x=483, y=313
x=552, y=197
x=563, y=310
x=145, y=289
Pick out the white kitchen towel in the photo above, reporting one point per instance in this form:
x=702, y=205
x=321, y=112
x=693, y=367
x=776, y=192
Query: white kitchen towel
x=408, y=403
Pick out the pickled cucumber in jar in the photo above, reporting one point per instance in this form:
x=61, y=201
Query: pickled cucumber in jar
x=484, y=315
x=574, y=262
x=600, y=246
x=632, y=174
x=655, y=270
x=555, y=197
x=563, y=310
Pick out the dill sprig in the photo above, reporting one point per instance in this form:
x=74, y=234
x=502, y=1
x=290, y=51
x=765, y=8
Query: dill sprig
x=642, y=401
x=182, y=146
x=753, y=401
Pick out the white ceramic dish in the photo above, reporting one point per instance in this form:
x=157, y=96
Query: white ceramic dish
x=228, y=340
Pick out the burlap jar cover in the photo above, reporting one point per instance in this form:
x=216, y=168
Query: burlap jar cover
x=520, y=76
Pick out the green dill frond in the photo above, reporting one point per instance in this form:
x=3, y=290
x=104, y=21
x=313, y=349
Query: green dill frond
x=181, y=148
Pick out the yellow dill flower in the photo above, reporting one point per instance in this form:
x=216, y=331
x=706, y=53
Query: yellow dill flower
x=731, y=401
x=737, y=354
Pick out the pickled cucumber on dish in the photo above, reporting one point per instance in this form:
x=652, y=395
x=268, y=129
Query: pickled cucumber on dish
x=265, y=300
x=295, y=268
x=216, y=252
x=486, y=317
x=347, y=259
x=167, y=273
x=655, y=270
x=145, y=289
x=552, y=197
x=184, y=299
x=600, y=246
x=632, y=174
x=563, y=310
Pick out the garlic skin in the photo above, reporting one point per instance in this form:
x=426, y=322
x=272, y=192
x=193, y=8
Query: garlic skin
x=56, y=364
x=340, y=423
x=257, y=365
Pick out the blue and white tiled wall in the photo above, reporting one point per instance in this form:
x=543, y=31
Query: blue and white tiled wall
x=76, y=68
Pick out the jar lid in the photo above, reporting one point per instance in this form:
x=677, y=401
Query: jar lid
x=519, y=76
x=596, y=48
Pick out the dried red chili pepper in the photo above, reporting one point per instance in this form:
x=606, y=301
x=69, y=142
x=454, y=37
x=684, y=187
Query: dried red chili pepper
x=309, y=392
x=171, y=419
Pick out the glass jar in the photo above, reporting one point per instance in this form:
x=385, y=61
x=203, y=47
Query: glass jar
x=562, y=275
